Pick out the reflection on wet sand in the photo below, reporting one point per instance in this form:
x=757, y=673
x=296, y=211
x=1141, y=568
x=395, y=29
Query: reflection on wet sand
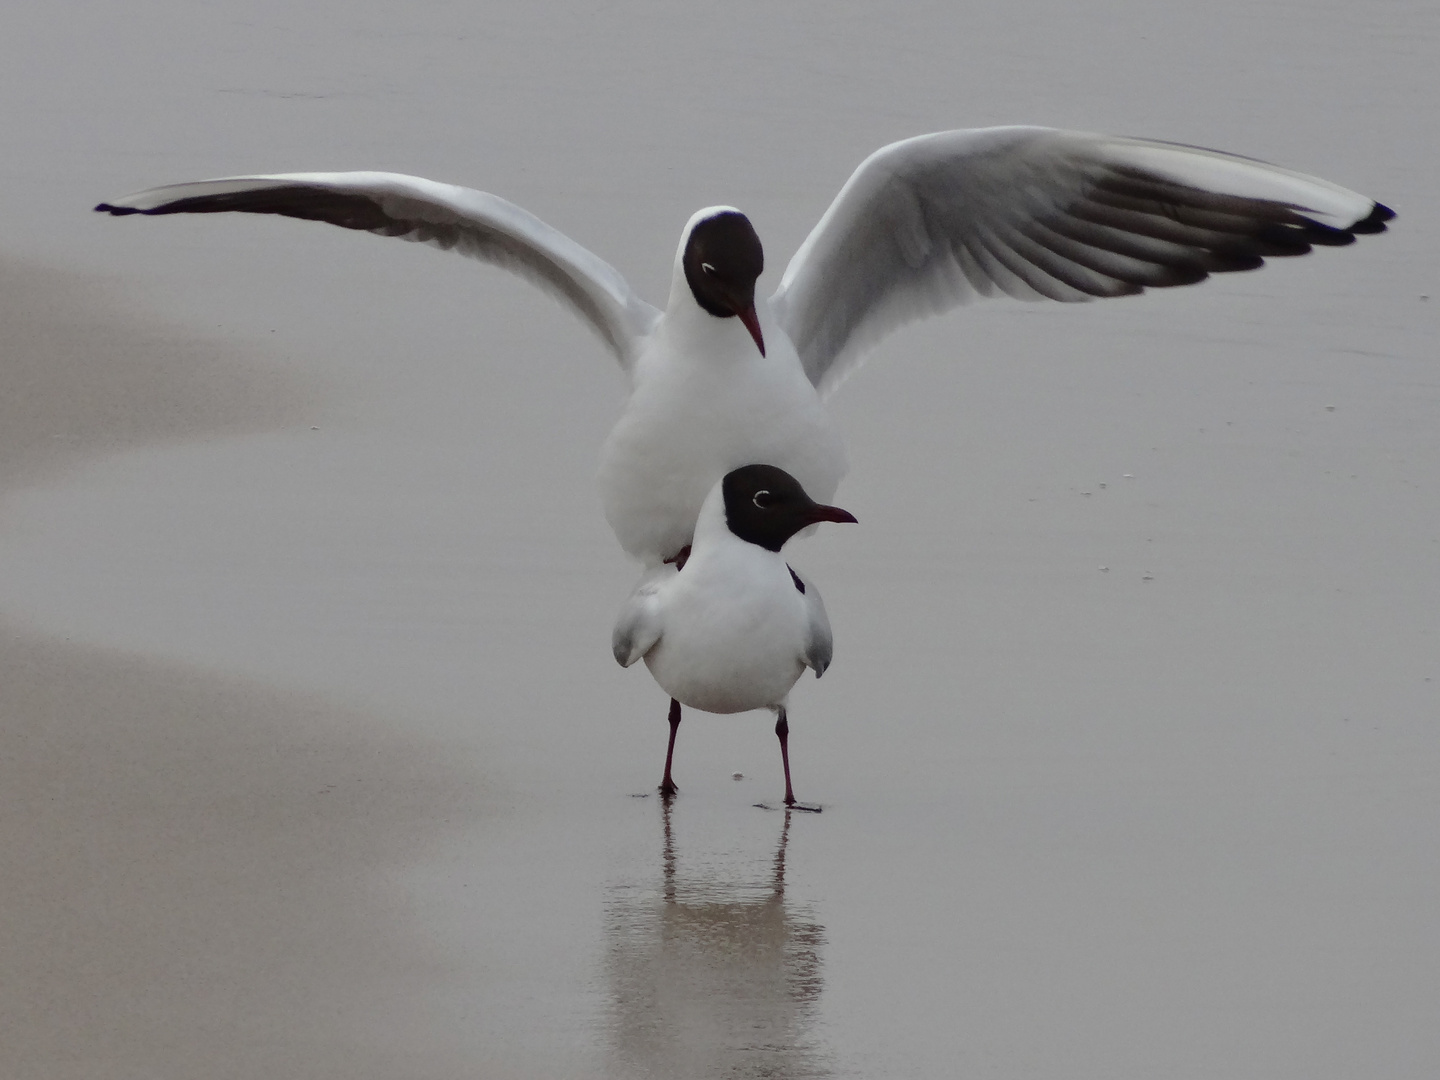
x=710, y=977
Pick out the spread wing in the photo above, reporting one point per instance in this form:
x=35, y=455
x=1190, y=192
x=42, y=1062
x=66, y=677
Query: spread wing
x=474, y=223
x=1034, y=213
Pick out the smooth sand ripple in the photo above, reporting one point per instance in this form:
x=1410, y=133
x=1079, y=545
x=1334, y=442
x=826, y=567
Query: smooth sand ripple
x=197, y=870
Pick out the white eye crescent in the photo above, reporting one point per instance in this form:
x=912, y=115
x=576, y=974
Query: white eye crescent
x=707, y=268
x=756, y=499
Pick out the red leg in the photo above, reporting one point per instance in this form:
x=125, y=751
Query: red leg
x=680, y=557
x=782, y=731
x=667, y=785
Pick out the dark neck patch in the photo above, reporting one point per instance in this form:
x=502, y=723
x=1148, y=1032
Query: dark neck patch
x=796, y=578
x=722, y=260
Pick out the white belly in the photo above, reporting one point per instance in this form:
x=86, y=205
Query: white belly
x=688, y=422
x=732, y=654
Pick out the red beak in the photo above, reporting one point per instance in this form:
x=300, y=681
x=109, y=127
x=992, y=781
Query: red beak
x=752, y=323
x=821, y=512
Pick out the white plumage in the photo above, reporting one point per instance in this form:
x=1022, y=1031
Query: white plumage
x=921, y=226
x=731, y=631
x=734, y=627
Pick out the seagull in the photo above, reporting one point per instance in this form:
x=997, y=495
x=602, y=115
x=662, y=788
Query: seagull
x=735, y=627
x=719, y=380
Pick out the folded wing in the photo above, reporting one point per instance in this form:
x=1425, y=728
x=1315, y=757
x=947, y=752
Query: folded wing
x=640, y=623
x=819, y=641
x=1038, y=213
x=473, y=223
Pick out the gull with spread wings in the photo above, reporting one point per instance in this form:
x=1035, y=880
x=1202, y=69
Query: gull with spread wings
x=719, y=380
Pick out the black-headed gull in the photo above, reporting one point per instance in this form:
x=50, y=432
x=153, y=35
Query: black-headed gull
x=735, y=627
x=718, y=380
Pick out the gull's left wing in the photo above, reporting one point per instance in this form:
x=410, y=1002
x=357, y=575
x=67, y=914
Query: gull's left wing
x=473, y=223
x=1034, y=213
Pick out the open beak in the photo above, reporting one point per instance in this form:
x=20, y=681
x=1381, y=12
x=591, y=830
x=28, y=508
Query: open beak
x=752, y=323
x=821, y=512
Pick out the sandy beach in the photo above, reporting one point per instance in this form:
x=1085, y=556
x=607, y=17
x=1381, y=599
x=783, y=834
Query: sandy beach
x=313, y=757
x=196, y=866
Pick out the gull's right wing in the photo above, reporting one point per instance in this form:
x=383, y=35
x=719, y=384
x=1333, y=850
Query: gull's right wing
x=474, y=223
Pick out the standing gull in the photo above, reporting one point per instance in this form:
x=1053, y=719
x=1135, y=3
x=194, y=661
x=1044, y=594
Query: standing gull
x=718, y=380
x=734, y=628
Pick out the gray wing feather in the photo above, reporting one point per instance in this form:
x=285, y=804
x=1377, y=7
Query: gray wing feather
x=473, y=223
x=819, y=641
x=638, y=626
x=1036, y=213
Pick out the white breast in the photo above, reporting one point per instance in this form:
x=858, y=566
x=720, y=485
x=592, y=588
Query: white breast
x=704, y=402
x=735, y=631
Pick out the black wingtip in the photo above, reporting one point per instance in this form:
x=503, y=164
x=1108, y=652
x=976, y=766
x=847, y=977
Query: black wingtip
x=117, y=211
x=1327, y=235
x=1375, y=221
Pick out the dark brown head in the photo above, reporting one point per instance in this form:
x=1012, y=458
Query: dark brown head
x=722, y=260
x=767, y=506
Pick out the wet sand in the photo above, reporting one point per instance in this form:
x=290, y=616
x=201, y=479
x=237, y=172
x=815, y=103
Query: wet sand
x=83, y=376
x=316, y=763
x=202, y=875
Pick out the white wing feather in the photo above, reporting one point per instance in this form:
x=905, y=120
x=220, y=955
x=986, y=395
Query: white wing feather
x=639, y=624
x=819, y=641
x=935, y=221
x=473, y=223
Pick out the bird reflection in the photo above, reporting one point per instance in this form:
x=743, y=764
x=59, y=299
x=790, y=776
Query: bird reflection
x=713, y=978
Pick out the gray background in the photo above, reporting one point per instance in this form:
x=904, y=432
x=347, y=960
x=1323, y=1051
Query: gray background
x=315, y=759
